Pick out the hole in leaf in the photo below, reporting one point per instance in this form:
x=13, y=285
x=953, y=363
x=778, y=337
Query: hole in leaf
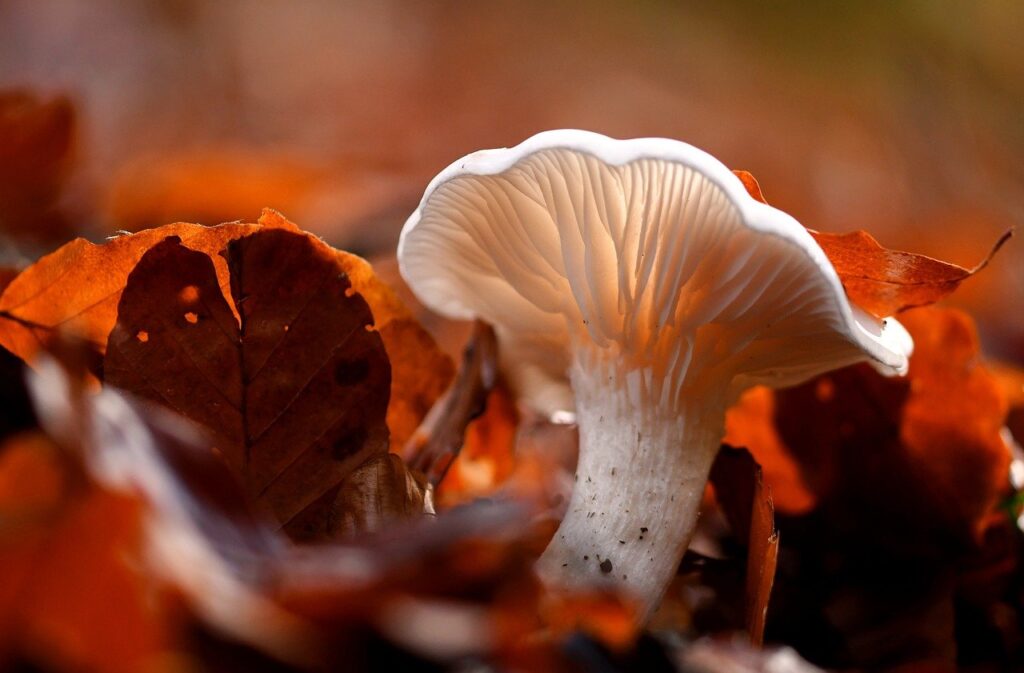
x=192, y=317
x=825, y=390
x=189, y=294
x=142, y=335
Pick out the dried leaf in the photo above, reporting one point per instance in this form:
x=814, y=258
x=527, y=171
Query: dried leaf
x=295, y=394
x=608, y=617
x=926, y=450
x=377, y=493
x=881, y=281
x=906, y=474
x=420, y=371
x=438, y=442
x=952, y=422
x=884, y=282
x=76, y=289
x=747, y=504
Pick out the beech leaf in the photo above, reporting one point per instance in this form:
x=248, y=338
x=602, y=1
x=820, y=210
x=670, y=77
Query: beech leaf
x=882, y=281
x=76, y=288
x=295, y=391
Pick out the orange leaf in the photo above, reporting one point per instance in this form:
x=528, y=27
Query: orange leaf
x=884, y=282
x=925, y=452
x=881, y=281
x=76, y=288
x=606, y=616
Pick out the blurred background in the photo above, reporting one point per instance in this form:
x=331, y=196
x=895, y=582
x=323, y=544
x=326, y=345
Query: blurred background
x=905, y=119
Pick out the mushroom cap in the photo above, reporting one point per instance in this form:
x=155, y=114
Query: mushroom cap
x=649, y=251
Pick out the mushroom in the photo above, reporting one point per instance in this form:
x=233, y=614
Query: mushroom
x=638, y=285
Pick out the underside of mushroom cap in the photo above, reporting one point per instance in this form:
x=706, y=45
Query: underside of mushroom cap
x=649, y=251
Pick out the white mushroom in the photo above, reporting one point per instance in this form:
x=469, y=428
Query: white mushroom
x=638, y=284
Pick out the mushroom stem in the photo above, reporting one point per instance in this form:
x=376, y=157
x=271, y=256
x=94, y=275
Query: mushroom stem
x=640, y=478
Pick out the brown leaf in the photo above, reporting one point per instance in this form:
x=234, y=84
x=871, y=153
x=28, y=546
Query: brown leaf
x=76, y=289
x=747, y=504
x=952, y=422
x=881, y=281
x=610, y=618
x=420, y=371
x=295, y=393
x=884, y=282
x=438, y=442
x=906, y=475
x=926, y=450
x=378, y=492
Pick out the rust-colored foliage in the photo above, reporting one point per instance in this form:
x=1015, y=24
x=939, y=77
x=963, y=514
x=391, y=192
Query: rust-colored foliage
x=903, y=478
x=884, y=282
x=926, y=449
x=295, y=391
x=488, y=457
x=881, y=281
x=439, y=441
x=747, y=504
x=313, y=382
x=420, y=372
x=76, y=289
x=377, y=493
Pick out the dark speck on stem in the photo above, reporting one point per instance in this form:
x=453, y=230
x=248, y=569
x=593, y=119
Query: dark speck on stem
x=606, y=566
